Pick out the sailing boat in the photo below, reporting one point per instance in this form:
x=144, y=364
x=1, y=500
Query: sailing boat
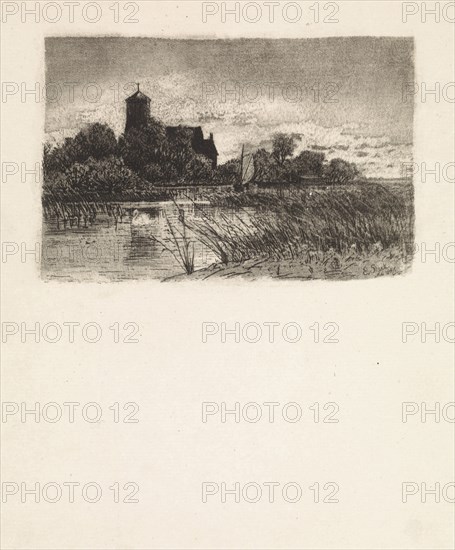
x=246, y=171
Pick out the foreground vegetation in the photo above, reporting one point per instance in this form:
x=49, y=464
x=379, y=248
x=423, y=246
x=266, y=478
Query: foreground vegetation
x=358, y=230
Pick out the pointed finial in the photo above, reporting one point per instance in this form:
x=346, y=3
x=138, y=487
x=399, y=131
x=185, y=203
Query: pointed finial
x=137, y=86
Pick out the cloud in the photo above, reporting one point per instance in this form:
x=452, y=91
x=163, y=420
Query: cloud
x=179, y=99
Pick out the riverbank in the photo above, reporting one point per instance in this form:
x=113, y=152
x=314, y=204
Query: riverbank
x=346, y=232
x=323, y=267
x=356, y=231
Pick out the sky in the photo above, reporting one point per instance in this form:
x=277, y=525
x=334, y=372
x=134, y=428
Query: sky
x=341, y=96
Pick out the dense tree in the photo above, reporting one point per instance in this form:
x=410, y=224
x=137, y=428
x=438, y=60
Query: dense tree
x=94, y=163
x=228, y=173
x=58, y=159
x=96, y=141
x=180, y=153
x=309, y=163
x=140, y=147
x=264, y=167
x=283, y=147
x=279, y=167
x=154, y=173
x=106, y=177
x=198, y=170
x=291, y=170
x=340, y=171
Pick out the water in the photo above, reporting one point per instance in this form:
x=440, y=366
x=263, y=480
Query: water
x=137, y=247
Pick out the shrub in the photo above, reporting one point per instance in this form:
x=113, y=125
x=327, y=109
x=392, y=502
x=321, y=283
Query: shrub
x=227, y=173
x=96, y=141
x=108, y=177
x=153, y=173
x=339, y=171
x=309, y=163
x=198, y=170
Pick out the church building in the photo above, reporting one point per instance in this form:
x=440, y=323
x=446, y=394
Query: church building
x=138, y=114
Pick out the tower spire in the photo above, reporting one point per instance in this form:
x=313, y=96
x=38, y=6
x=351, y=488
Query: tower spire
x=137, y=110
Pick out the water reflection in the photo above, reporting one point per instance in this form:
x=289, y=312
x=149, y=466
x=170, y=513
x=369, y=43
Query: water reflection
x=134, y=247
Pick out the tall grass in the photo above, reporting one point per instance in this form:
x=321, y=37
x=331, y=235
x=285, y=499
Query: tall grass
x=76, y=211
x=181, y=247
x=363, y=218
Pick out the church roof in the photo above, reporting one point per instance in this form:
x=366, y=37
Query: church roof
x=201, y=145
x=209, y=147
x=172, y=130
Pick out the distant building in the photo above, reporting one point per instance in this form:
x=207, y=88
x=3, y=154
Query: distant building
x=137, y=110
x=138, y=115
x=201, y=146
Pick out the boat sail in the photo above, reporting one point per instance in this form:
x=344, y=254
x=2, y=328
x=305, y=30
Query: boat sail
x=246, y=168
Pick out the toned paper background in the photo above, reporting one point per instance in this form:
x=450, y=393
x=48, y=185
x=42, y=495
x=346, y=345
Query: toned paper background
x=170, y=372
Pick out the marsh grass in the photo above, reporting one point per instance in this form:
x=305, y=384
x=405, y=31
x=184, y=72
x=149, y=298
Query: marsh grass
x=181, y=246
x=336, y=225
x=360, y=230
x=79, y=211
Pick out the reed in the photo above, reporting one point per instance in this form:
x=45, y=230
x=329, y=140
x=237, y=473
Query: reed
x=73, y=210
x=182, y=246
x=311, y=223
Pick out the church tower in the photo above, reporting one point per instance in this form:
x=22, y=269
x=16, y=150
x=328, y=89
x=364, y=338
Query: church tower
x=137, y=110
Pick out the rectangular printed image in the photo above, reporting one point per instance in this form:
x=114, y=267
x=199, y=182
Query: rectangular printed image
x=227, y=159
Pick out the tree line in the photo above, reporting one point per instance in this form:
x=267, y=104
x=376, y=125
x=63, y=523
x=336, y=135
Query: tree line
x=95, y=161
x=281, y=166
